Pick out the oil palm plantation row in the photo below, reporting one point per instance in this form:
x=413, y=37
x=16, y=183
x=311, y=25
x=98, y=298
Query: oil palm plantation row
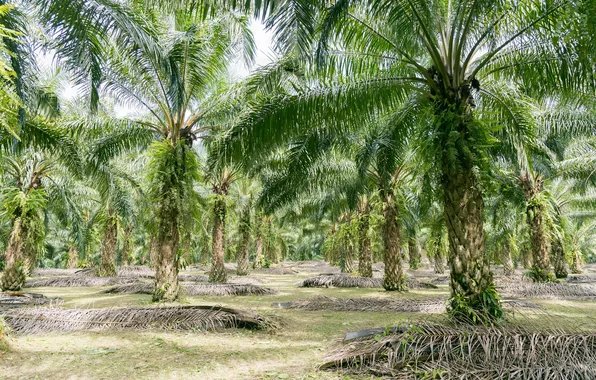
x=403, y=115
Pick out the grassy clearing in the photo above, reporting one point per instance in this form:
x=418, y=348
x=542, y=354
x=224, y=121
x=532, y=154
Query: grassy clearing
x=292, y=352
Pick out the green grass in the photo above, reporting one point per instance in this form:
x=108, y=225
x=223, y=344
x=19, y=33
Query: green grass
x=291, y=352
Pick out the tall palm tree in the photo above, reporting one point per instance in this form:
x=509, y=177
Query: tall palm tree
x=445, y=57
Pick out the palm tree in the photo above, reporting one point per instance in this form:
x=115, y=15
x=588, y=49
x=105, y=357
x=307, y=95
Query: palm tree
x=445, y=57
x=221, y=183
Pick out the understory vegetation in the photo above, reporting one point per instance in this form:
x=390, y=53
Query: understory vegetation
x=418, y=175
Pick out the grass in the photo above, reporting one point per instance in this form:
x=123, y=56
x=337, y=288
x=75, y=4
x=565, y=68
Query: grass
x=294, y=351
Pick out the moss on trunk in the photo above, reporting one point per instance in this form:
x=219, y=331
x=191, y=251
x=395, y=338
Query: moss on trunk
x=218, y=270
x=107, y=266
x=393, y=279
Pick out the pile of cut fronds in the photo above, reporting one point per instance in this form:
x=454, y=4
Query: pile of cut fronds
x=197, y=289
x=549, y=290
x=48, y=272
x=227, y=290
x=372, y=304
x=581, y=278
x=280, y=271
x=140, y=271
x=9, y=300
x=40, y=320
x=134, y=288
x=346, y=281
x=431, y=305
x=425, y=350
x=192, y=278
x=246, y=280
x=77, y=281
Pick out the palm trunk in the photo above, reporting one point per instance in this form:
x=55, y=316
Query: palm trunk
x=413, y=254
x=472, y=288
x=541, y=271
x=393, y=278
x=154, y=247
x=258, y=263
x=436, y=251
x=126, y=247
x=244, y=245
x=243, y=251
x=364, y=256
x=166, y=269
x=73, y=257
x=107, y=266
x=13, y=278
x=577, y=265
x=346, y=256
x=508, y=269
x=558, y=258
x=218, y=270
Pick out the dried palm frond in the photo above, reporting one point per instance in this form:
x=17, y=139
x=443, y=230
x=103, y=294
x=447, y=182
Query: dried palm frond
x=91, y=272
x=48, y=272
x=227, y=290
x=376, y=304
x=141, y=271
x=77, y=281
x=134, y=288
x=197, y=289
x=526, y=289
x=247, y=280
x=372, y=304
x=471, y=352
x=9, y=300
x=275, y=271
x=346, y=281
x=36, y=320
x=192, y=278
x=581, y=278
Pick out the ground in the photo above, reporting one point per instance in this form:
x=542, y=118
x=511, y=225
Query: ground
x=293, y=351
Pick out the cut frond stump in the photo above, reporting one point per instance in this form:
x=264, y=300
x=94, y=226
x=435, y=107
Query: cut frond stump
x=77, y=281
x=470, y=352
x=41, y=320
x=526, y=289
x=197, y=289
x=346, y=281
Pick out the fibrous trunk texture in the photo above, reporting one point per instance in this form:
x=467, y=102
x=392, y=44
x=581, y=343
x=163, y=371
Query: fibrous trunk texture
x=107, y=266
x=471, y=280
x=166, y=269
x=558, y=258
x=218, y=270
x=535, y=217
x=393, y=279
x=244, y=246
x=13, y=278
x=439, y=265
x=413, y=253
x=365, y=256
x=577, y=265
x=346, y=258
x=73, y=257
x=258, y=263
x=508, y=268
